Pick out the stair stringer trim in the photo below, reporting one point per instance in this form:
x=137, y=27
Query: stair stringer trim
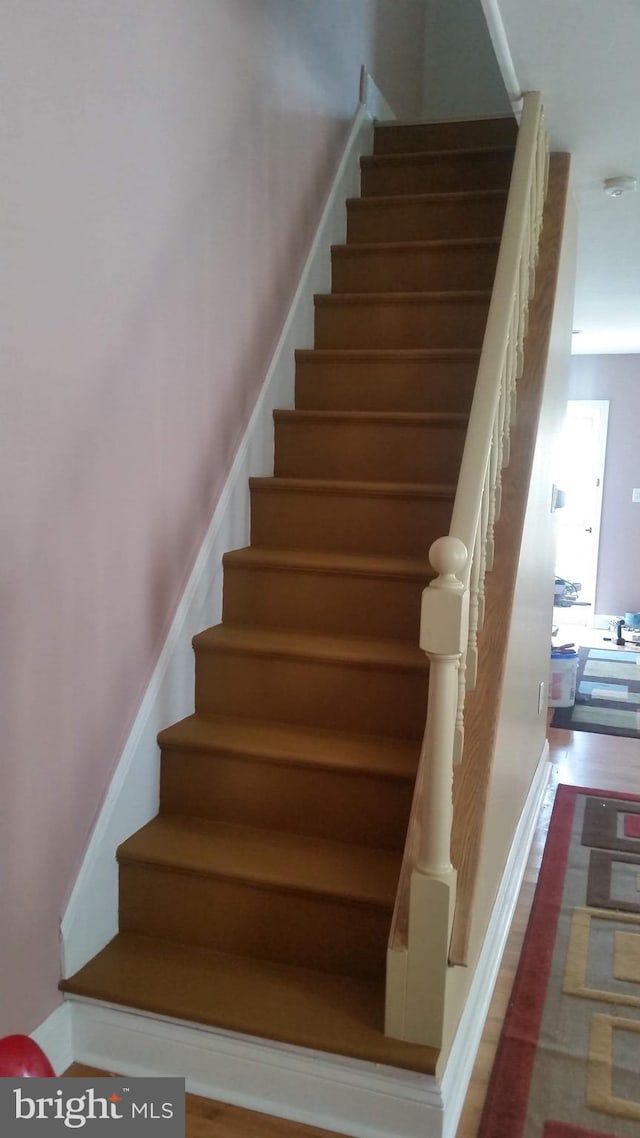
x=500, y=43
x=55, y=1037
x=90, y=920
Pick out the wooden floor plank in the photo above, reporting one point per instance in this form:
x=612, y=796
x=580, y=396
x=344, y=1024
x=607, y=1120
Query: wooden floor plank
x=207, y=1118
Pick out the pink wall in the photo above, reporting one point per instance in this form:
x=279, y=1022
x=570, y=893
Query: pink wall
x=616, y=378
x=164, y=167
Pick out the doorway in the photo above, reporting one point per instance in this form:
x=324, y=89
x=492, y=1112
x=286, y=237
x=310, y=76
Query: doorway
x=581, y=459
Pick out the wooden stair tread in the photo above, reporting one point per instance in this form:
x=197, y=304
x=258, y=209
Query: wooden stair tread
x=416, y=157
x=337, y=299
x=294, y=745
x=418, y=418
x=375, y=201
x=391, y=354
x=427, y=124
x=317, y=1010
x=272, y=858
x=412, y=136
x=313, y=561
x=344, y=486
x=464, y=120
x=363, y=651
x=431, y=245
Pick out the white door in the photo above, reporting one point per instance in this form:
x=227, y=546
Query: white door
x=580, y=474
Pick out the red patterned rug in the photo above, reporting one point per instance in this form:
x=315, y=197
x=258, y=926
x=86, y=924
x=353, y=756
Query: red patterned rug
x=568, y=1061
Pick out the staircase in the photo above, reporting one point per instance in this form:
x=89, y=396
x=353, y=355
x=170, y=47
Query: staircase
x=259, y=900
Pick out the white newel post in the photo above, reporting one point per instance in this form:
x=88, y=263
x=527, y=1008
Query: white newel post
x=444, y=633
x=443, y=636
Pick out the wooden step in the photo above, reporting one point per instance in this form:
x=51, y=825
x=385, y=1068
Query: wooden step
x=414, y=266
x=449, y=134
x=335, y=1014
x=396, y=447
x=411, y=379
x=330, y=592
x=264, y=893
x=385, y=518
x=437, y=171
x=425, y=217
x=401, y=319
x=355, y=788
x=341, y=683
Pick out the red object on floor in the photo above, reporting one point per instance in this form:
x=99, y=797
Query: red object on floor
x=21, y=1057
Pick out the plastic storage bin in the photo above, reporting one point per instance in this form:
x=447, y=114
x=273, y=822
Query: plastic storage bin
x=562, y=679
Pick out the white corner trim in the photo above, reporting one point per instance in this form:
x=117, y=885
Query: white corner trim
x=366, y=1100
x=370, y=94
x=55, y=1037
x=498, y=35
x=90, y=919
x=456, y=1076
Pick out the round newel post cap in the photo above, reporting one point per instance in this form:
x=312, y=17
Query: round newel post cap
x=448, y=557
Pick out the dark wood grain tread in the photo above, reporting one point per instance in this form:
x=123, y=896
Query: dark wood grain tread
x=344, y=299
x=361, y=651
x=431, y=245
x=273, y=859
x=464, y=120
x=424, y=490
x=313, y=561
x=378, y=201
x=291, y=745
x=363, y=355
x=349, y=418
x=329, y=1013
x=418, y=157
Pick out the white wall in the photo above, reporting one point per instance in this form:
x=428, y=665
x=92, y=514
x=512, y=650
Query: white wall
x=461, y=75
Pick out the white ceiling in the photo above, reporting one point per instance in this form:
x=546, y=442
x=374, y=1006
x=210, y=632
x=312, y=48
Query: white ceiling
x=584, y=55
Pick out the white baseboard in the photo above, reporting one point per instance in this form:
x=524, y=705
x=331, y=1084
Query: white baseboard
x=456, y=1076
x=55, y=1037
x=372, y=98
x=365, y=1100
x=500, y=43
x=90, y=920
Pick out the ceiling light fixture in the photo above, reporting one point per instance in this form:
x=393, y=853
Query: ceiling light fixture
x=616, y=187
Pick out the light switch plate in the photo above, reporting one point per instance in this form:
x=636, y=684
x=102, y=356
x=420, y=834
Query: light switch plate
x=635, y=495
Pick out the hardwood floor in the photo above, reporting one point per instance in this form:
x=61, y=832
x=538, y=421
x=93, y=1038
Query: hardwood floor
x=578, y=758
x=209, y=1119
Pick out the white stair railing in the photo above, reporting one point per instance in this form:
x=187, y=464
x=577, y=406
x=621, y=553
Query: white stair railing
x=453, y=604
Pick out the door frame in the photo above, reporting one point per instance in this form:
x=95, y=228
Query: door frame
x=602, y=407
